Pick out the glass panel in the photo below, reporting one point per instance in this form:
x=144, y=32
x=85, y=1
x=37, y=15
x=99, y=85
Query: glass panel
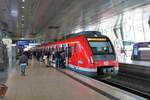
x=99, y=48
x=128, y=27
x=146, y=18
x=137, y=24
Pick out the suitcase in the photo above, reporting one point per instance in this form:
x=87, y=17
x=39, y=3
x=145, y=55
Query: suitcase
x=3, y=89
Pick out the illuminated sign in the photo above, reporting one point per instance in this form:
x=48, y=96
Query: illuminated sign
x=22, y=42
x=97, y=39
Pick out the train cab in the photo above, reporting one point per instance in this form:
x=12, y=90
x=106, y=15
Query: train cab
x=104, y=58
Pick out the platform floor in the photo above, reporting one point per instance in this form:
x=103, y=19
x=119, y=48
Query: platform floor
x=41, y=83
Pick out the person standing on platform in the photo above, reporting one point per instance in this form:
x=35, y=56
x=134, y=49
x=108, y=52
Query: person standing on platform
x=62, y=59
x=23, y=62
x=57, y=58
x=45, y=59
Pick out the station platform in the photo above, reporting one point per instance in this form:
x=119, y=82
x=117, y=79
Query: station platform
x=41, y=83
x=134, y=67
x=127, y=60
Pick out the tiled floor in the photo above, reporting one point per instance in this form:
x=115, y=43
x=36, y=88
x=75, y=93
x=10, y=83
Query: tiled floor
x=41, y=83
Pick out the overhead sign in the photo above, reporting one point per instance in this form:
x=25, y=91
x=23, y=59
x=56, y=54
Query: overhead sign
x=25, y=42
x=22, y=42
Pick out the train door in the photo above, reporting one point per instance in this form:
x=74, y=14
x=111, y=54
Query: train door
x=66, y=54
x=75, y=54
x=72, y=55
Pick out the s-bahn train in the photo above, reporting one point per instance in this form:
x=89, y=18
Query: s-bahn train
x=87, y=52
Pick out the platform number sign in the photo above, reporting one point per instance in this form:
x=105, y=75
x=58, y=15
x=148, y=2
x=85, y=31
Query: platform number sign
x=135, y=52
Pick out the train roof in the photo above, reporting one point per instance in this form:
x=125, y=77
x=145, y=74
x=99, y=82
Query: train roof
x=85, y=33
x=88, y=34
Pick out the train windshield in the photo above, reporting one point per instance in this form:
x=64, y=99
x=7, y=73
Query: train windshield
x=100, y=48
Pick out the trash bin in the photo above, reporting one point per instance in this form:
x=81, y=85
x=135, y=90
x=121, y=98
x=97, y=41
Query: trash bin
x=3, y=89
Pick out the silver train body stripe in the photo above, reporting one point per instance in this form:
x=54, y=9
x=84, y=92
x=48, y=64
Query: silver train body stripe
x=83, y=69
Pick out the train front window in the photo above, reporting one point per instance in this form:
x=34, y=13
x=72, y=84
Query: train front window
x=100, y=48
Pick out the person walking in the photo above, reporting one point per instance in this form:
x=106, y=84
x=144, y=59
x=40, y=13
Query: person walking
x=23, y=62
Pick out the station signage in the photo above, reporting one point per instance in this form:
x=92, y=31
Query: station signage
x=22, y=42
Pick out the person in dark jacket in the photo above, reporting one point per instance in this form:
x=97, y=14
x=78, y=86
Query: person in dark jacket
x=62, y=59
x=57, y=58
x=23, y=62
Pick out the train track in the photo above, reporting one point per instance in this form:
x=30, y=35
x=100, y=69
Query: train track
x=136, y=70
x=134, y=91
x=122, y=81
x=134, y=76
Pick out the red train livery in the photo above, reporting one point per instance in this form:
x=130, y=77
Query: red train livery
x=88, y=52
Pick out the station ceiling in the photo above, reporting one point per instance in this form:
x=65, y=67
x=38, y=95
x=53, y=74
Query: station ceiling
x=50, y=19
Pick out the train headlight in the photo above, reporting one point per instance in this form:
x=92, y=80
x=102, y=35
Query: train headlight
x=116, y=63
x=116, y=68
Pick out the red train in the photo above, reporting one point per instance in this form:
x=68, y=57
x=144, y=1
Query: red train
x=88, y=52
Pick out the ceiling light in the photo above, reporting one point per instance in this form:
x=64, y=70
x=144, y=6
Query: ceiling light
x=22, y=6
x=23, y=0
x=14, y=13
